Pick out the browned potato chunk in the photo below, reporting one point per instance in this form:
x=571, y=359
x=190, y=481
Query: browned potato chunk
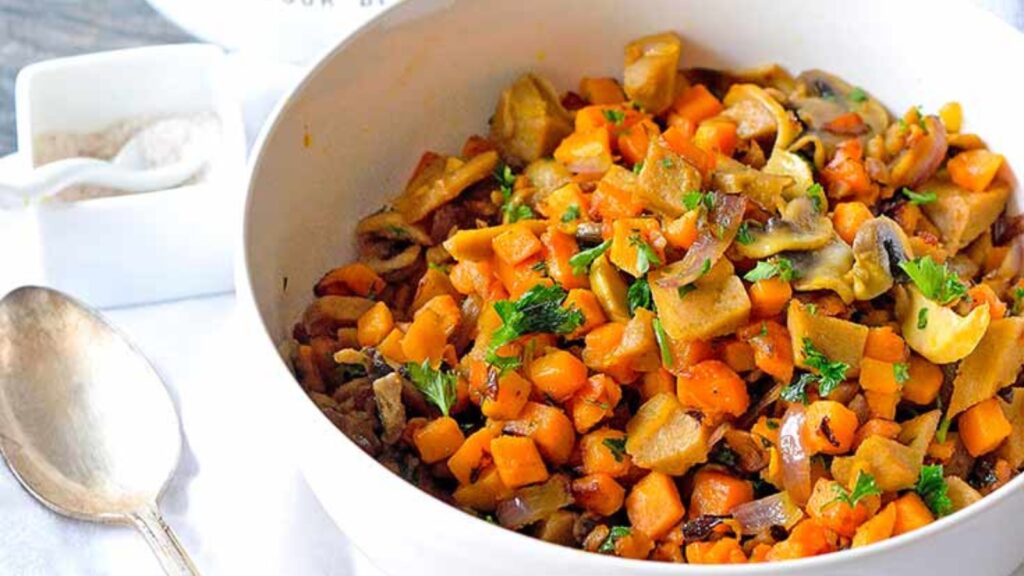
x=840, y=340
x=663, y=437
x=994, y=363
x=718, y=305
x=894, y=466
x=326, y=314
x=961, y=493
x=1012, y=449
x=962, y=215
x=529, y=121
x=417, y=203
x=665, y=178
x=610, y=289
x=650, y=74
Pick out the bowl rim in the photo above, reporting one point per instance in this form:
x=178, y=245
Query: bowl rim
x=555, y=553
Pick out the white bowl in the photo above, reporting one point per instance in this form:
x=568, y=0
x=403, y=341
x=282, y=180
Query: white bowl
x=427, y=73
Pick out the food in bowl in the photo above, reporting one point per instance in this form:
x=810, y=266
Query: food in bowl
x=696, y=316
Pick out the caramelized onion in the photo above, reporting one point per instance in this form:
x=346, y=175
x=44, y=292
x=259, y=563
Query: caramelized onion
x=534, y=503
x=796, y=461
x=775, y=510
x=714, y=237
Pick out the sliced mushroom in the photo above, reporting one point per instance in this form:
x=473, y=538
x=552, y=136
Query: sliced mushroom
x=918, y=162
x=758, y=114
x=649, y=77
x=610, y=289
x=417, y=203
x=826, y=268
x=829, y=96
x=936, y=332
x=529, y=121
x=800, y=227
x=785, y=163
x=325, y=315
x=387, y=392
x=390, y=265
x=393, y=226
x=546, y=175
x=879, y=248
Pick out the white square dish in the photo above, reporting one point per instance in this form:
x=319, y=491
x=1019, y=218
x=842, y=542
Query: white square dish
x=137, y=248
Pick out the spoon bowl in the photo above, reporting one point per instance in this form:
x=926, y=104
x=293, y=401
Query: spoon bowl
x=86, y=424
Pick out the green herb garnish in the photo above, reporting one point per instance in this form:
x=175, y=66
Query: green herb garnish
x=901, y=371
x=581, y=262
x=830, y=374
x=639, y=295
x=617, y=447
x=608, y=546
x=864, y=487
x=645, y=255
x=614, y=116
x=705, y=266
x=663, y=342
x=571, y=213
x=1018, y=299
x=932, y=487
x=817, y=194
x=858, y=95
x=918, y=198
x=437, y=385
x=538, y=310
x=775, y=266
x=936, y=282
x=512, y=210
x=922, y=318
x=638, y=167
x=443, y=268
x=685, y=289
x=695, y=198
x=667, y=163
x=743, y=234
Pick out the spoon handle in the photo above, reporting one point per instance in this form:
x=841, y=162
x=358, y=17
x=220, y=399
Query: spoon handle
x=163, y=542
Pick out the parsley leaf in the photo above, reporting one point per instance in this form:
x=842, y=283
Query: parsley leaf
x=812, y=308
x=437, y=385
x=538, y=310
x=696, y=198
x=639, y=295
x=617, y=447
x=608, y=546
x=645, y=255
x=705, y=266
x=919, y=198
x=663, y=343
x=443, y=268
x=667, y=163
x=864, y=487
x=922, y=318
x=614, y=116
x=817, y=194
x=743, y=234
x=796, y=391
x=571, y=213
x=937, y=282
x=857, y=95
x=931, y=485
x=775, y=266
x=581, y=262
x=1018, y=300
x=830, y=374
x=512, y=210
x=638, y=167
x=943, y=429
x=685, y=289
x=901, y=371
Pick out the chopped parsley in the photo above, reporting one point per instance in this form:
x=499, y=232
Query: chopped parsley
x=775, y=266
x=771, y=424
x=1018, y=300
x=617, y=532
x=943, y=429
x=743, y=234
x=901, y=371
x=538, y=310
x=614, y=116
x=645, y=255
x=858, y=95
x=932, y=487
x=812, y=308
x=437, y=385
x=397, y=231
x=617, y=447
x=639, y=295
x=817, y=194
x=918, y=198
x=685, y=289
x=663, y=342
x=830, y=375
x=540, y=266
x=695, y=198
x=581, y=262
x=638, y=167
x=512, y=210
x=667, y=163
x=922, y=318
x=936, y=282
x=443, y=268
x=571, y=213
x=705, y=266
x=864, y=487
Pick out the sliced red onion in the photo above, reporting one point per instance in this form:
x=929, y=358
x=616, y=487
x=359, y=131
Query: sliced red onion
x=775, y=510
x=796, y=461
x=714, y=237
x=534, y=503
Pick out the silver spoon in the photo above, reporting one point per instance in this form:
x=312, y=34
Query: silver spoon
x=86, y=424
